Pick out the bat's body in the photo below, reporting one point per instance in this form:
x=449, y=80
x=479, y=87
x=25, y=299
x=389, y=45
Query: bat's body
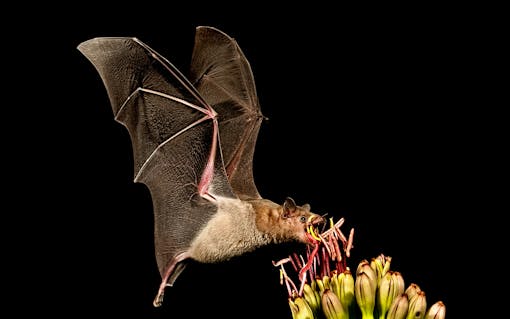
x=241, y=226
x=193, y=142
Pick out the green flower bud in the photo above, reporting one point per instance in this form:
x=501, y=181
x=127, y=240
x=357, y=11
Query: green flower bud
x=334, y=283
x=311, y=299
x=385, y=295
x=436, y=311
x=391, y=286
x=399, y=308
x=327, y=281
x=300, y=309
x=322, y=284
x=332, y=307
x=346, y=283
x=313, y=284
x=364, y=289
x=417, y=306
x=380, y=265
x=293, y=308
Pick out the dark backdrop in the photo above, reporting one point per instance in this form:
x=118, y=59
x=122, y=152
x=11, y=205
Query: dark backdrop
x=368, y=120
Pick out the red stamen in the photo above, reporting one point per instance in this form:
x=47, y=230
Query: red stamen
x=349, y=243
x=309, y=262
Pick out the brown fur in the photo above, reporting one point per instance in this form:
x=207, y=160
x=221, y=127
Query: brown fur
x=282, y=226
x=242, y=226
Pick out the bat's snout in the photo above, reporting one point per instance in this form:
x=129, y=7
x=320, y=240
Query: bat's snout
x=316, y=219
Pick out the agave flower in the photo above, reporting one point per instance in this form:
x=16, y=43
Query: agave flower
x=321, y=285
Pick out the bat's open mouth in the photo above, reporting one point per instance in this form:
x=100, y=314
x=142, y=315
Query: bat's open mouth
x=312, y=230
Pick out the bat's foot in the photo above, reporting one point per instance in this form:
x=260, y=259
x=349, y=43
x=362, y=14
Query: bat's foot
x=175, y=267
x=158, y=301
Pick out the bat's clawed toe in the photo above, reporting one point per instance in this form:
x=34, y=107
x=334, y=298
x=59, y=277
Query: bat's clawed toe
x=158, y=301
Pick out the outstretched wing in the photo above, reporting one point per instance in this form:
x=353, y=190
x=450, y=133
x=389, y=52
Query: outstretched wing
x=223, y=76
x=174, y=135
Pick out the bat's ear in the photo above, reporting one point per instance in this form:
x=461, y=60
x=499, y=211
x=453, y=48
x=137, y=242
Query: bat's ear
x=306, y=207
x=289, y=206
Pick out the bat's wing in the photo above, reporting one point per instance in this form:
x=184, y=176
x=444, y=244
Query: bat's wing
x=175, y=139
x=222, y=74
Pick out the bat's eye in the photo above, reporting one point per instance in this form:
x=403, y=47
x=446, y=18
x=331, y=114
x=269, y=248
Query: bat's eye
x=302, y=219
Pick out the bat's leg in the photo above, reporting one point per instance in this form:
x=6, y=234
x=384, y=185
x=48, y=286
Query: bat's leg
x=172, y=266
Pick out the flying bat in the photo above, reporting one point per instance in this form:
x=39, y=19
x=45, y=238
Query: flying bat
x=193, y=140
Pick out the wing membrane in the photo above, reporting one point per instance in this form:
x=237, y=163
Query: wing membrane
x=223, y=76
x=171, y=132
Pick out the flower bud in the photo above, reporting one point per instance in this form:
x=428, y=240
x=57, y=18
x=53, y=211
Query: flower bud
x=346, y=283
x=417, y=306
x=334, y=284
x=364, y=290
x=399, y=308
x=385, y=295
x=311, y=298
x=391, y=286
x=377, y=267
x=364, y=266
x=436, y=311
x=326, y=280
x=399, y=284
x=313, y=284
x=380, y=265
x=332, y=307
x=293, y=308
x=300, y=309
x=321, y=284
x=412, y=290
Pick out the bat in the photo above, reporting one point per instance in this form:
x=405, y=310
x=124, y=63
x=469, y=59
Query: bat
x=193, y=140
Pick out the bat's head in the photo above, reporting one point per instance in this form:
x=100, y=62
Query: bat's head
x=297, y=220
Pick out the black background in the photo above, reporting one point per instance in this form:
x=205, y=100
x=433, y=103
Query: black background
x=372, y=117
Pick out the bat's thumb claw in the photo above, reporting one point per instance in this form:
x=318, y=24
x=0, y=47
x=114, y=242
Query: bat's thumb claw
x=158, y=301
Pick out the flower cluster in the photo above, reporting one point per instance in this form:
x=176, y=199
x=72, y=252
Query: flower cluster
x=321, y=284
